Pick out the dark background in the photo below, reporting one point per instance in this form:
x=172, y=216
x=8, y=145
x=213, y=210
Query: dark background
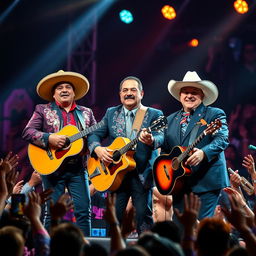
x=152, y=48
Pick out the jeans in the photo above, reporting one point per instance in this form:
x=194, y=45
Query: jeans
x=141, y=200
x=78, y=187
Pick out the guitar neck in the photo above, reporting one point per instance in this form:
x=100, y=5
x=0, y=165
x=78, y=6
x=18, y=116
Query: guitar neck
x=182, y=156
x=85, y=132
x=128, y=146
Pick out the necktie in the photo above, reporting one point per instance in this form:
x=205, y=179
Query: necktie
x=185, y=118
x=129, y=122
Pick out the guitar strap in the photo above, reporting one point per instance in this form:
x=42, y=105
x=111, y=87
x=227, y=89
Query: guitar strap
x=193, y=133
x=80, y=118
x=139, y=118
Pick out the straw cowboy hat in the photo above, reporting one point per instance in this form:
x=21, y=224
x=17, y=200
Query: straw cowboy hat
x=191, y=79
x=45, y=86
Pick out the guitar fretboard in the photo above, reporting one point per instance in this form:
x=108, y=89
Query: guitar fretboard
x=83, y=133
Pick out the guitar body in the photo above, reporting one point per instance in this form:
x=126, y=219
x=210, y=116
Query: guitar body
x=109, y=176
x=167, y=172
x=46, y=162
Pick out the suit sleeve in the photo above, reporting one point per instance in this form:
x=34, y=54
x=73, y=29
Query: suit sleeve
x=33, y=130
x=219, y=140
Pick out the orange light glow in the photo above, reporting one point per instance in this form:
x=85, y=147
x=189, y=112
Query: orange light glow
x=168, y=12
x=241, y=6
x=193, y=42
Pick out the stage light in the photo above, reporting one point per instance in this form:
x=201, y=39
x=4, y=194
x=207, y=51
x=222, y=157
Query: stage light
x=126, y=16
x=241, y=6
x=193, y=42
x=168, y=12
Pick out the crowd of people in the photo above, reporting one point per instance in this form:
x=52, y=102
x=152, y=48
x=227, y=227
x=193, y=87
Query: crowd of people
x=212, y=212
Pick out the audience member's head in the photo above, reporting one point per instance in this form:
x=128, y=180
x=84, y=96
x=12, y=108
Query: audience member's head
x=66, y=239
x=12, y=241
x=213, y=237
x=168, y=229
x=92, y=249
x=135, y=250
x=156, y=245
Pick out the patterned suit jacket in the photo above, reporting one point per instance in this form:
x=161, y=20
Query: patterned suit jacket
x=47, y=119
x=211, y=173
x=114, y=126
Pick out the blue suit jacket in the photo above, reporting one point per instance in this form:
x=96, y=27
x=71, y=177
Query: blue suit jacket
x=114, y=126
x=211, y=173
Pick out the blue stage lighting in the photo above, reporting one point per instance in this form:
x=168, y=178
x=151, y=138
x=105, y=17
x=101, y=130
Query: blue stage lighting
x=126, y=16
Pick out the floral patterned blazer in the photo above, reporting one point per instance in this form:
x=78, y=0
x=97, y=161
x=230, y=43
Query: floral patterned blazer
x=114, y=126
x=47, y=119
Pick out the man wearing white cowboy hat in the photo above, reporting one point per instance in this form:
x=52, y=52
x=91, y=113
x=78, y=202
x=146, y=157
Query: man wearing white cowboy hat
x=61, y=89
x=207, y=161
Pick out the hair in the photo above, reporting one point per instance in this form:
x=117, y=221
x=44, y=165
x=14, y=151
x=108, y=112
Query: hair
x=66, y=239
x=156, y=245
x=132, y=78
x=213, y=236
x=168, y=229
x=93, y=248
x=135, y=250
x=12, y=241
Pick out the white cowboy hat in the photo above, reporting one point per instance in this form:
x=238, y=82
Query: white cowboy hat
x=45, y=86
x=191, y=79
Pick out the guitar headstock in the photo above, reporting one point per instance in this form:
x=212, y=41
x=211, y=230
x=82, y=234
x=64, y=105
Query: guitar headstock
x=159, y=124
x=213, y=127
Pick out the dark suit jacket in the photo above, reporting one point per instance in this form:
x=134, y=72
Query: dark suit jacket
x=114, y=126
x=211, y=173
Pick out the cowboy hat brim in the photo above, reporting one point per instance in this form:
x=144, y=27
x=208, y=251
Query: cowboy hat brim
x=209, y=89
x=80, y=83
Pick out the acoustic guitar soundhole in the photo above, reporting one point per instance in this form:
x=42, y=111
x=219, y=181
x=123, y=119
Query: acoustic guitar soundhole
x=175, y=164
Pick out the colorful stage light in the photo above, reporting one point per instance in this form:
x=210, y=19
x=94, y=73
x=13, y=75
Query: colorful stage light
x=193, y=42
x=241, y=6
x=126, y=16
x=168, y=12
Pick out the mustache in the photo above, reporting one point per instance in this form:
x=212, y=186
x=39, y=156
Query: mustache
x=64, y=94
x=129, y=97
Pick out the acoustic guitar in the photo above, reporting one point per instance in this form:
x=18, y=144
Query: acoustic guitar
x=108, y=176
x=47, y=161
x=168, y=169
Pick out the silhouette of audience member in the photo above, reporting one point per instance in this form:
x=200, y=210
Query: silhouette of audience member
x=66, y=239
x=11, y=241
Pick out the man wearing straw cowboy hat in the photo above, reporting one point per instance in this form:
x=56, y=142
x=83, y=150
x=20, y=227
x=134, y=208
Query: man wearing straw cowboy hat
x=206, y=159
x=61, y=89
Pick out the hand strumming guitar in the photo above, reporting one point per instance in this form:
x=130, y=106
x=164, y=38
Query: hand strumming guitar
x=103, y=154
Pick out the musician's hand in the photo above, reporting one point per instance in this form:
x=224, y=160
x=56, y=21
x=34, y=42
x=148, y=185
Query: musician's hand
x=146, y=137
x=103, y=154
x=196, y=157
x=57, y=141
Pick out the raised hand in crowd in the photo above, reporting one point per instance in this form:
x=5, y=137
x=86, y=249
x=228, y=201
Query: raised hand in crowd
x=117, y=242
x=249, y=164
x=18, y=187
x=9, y=162
x=41, y=237
x=128, y=223
x=60, y=208
x=189, y=219
x=35, y=179
x=237, y=217
x=242, y=204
